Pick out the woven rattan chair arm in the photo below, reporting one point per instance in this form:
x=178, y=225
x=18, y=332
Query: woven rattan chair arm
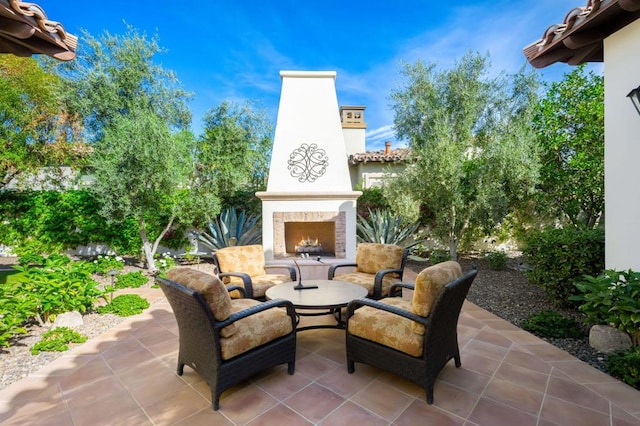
x=246, y=281
x=291, y=269
x=399, y=286
x=378, y=304
x=332, y=268
x=236, y=288
x=258, y=308
x=377, y=280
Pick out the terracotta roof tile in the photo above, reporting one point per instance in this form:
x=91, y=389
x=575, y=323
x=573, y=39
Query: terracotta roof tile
x=25, y=30
x=382, y=156
x=579, y=37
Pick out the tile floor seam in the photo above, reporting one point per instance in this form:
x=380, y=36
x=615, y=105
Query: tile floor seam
x=545, y=394
x=484, y=389
x=117, y=377
x=366, y=409
x=66, y=403
x=308, y=419
x=412, y=399
x=571, y=379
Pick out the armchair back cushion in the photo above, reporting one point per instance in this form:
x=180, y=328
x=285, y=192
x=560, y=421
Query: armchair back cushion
x=247, y=259
x=373, y=257
x=212, y=290
x=429, y=284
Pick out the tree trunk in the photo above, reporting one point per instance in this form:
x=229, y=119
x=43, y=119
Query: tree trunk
x=147, y=248
x=453, y=247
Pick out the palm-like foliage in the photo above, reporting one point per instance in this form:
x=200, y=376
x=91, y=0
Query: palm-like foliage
x=382, y=227
x=232, y=229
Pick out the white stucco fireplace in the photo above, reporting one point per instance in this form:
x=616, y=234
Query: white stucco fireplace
x=309, y=206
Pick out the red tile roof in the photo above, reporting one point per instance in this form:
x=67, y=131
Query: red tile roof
x=382, y=156
x=25, y=30
x=579, y=38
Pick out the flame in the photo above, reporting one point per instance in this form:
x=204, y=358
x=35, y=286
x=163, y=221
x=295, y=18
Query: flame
x=308, y=242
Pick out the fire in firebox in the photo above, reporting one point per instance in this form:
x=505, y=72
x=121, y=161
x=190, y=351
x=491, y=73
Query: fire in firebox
x=308, y=245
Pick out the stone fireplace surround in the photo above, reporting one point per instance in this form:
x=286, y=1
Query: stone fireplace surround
x=337, y=207
x=282, y=218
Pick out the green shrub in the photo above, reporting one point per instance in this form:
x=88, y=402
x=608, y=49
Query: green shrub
x=102, y=264
x=439, y=256
x=371, y=199
x=245, y=198
x=549, y=323
x=53, y=221
x=55, y=289
x=125, y=305
x=383, y=227
x=57, y=340
x=15, y=310
x=625, y=365
x=164, y=262
x=497, y=260
x=612, y=297
x=31, y=259
x=560, y=257
x=130, y=280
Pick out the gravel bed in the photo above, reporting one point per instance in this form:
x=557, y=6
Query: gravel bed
x=506, y=294
x=509, y=295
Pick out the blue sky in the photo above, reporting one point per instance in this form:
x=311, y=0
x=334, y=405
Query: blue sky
x=234, y=50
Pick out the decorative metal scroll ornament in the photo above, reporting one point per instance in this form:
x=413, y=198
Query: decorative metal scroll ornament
x=308, y=162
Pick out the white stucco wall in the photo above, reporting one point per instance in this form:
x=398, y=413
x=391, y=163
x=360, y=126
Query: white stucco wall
x=354, y=140
x=622, y=149
x=308, y=114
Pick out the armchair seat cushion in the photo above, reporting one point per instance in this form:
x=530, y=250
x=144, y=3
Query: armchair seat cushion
x=387, y=328
x=261, y=283
x=254, y=330
x=366, y=280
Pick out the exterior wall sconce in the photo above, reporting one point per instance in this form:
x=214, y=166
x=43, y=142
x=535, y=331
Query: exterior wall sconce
x=634, y=95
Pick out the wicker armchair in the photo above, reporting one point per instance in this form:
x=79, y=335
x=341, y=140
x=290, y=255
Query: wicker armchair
x=411, y=338
x=225, y=340
x=245, y=266
x=377, y=268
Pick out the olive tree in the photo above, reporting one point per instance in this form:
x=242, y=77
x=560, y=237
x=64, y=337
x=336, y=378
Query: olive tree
x=35, y=128
x=135, y=114
x=471, y=134
x=235, y=147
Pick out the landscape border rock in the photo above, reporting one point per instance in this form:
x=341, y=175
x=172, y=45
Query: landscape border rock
x=607, y=339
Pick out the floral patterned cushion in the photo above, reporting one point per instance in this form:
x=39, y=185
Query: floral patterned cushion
x=386, y=328
x=211, y=288
x=246, y=259
x=254, y=330
x=261, y=283
x=373, y=257
x=366, y=280
x=429, y=284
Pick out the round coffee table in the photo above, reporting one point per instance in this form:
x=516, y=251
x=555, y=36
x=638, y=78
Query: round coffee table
x=330, y=297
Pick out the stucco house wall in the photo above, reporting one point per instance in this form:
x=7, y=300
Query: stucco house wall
x=622, y=149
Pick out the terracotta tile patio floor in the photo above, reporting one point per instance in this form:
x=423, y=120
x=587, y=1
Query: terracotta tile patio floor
x=508, y=377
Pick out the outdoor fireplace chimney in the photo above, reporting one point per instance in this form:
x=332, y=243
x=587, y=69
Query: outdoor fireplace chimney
x=309, y=177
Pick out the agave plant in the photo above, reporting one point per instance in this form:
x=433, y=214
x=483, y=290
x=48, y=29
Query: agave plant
x=382, y=227
x=232, y=229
